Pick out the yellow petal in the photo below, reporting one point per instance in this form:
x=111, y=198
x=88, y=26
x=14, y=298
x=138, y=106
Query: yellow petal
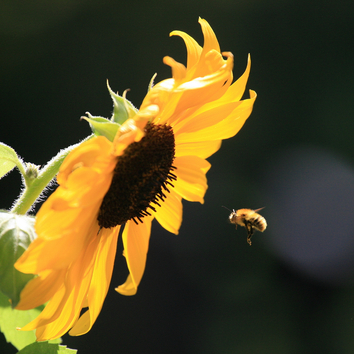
x=193, y=48
x=57, y=253
x=64, y=308
x=169, y=215
x=236, y=90
x=204, y=89
x=51, y=218
x=83, y=324
x=66, y=218
x=136, y=244
x=178, y=69
x=80, y=183
x=207, y=116
x=101, y=279
x=205, y=65
x=174, y=98
x=128, y=288
x=94, y=151
x=191, y=181
x=42, y=255
x=128, y=133
x=52, y=224
x=48, y=311
x=225, y=128
x=202, y=149
x=210, y=40
x=41, y=289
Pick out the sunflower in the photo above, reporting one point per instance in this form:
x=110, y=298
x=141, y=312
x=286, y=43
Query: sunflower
x=156, y=159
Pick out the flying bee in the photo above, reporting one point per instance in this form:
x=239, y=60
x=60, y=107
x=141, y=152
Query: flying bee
x=250, y=219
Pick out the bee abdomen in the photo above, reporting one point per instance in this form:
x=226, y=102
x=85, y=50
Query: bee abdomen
x=259, y=223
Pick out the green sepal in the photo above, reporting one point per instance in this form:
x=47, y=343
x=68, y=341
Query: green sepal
x=122, y=108
x=102, y=126
x=16, y=234
x=151, y=83
x=9, y=159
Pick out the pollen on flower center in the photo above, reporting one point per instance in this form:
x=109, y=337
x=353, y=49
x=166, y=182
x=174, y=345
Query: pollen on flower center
x=141, y=177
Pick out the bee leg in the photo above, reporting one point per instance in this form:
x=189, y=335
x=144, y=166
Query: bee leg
x=250, y=232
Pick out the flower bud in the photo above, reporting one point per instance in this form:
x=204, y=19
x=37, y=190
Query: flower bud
x=16, y=234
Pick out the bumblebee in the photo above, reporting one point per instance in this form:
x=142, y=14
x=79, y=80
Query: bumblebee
x=250, y=219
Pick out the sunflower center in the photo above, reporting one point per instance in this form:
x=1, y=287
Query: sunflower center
x=141, y=177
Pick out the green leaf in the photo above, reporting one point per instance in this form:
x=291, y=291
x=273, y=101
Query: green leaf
x=9, y=160
x=102, y=126
x=46, y=348
x=122, y=108
x=16, y=234
x=10, y=319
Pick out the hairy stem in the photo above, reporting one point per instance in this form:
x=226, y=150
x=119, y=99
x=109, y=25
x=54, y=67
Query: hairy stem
x=31, y=192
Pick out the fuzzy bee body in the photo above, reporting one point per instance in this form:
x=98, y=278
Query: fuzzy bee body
x=249, y=219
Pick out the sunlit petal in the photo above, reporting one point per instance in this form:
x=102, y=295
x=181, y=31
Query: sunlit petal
x=128, y=288
x=64, y=308
x=100, y=281
x=205, y=118
x=193, y=48
x=226, y=128
x=136, y=243
x=41, y=289
x=169, y=215
x=191, y=183
x=236, y=90
x=202, y=149
x=210, y=40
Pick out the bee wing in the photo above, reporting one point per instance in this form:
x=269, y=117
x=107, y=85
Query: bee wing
x=257, y=210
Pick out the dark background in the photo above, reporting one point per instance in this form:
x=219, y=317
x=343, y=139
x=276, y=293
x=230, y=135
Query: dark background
x=206, y=290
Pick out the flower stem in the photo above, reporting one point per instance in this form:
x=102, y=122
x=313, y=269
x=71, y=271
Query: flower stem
x=32, y=191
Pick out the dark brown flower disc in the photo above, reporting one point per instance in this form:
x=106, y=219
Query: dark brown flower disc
x=141, y=177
